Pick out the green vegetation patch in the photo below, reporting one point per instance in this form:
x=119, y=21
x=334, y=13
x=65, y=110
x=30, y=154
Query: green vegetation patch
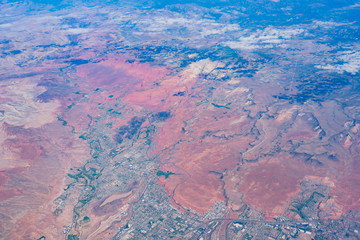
x=83, y=137
x=166, y=174
x=246, y=236
x=70, y=106
x=95, y=145
x=69, y=186
x=221, y=106
x=299, y=206
x=62, y=120
x=72, y=237
x=202, y=101
x=111, y=110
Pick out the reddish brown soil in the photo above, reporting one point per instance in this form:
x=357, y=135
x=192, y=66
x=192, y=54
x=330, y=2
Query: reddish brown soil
x=118, y=77
x=217, y=152
x=347, y=193
x=35, y=177
x=203, y=149
x=200, y=163
x=347, y=189
x=269, y=187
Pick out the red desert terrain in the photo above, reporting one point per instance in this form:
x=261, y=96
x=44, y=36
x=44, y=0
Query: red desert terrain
x=216, y=149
